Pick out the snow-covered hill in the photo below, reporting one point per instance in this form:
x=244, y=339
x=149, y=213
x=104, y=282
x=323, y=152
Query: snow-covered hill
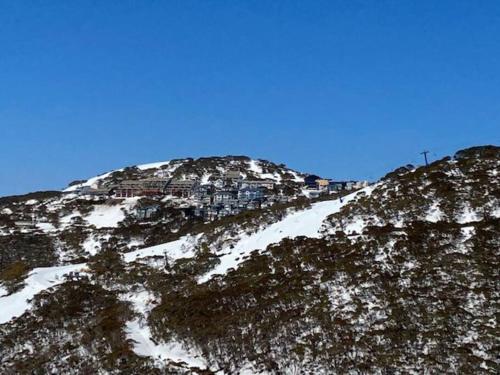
x=400, y=277
x=201, y=168
x=305, y=222
x=57, y=228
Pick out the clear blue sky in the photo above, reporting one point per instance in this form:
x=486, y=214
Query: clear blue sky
x=346, y=89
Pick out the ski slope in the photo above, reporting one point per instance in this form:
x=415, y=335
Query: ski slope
x=302, y=223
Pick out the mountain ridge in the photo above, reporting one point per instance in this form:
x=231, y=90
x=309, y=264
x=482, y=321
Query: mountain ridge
x=211, y=163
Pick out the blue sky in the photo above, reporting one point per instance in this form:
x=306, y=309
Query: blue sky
x=346, y=89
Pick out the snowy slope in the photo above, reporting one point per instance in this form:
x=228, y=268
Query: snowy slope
x=95, y=180
x=181, y=248
x=39, y=279
x=302, y=223
x=306, y=222
x=106, y=216
x=434, y=226
x=90, y=182
x=139, y=331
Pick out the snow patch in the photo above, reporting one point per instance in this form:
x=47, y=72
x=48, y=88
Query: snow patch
x=66, y=220
x=253, y=165
x=105, y=216
x=39, y=279
x=157, y=165
x=91, y=245
x=46, y=227
x=181, y=248
x=468, y=215
x=434, y=214
x=139, y=331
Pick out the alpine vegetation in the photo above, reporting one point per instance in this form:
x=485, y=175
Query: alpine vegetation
x=231, y=265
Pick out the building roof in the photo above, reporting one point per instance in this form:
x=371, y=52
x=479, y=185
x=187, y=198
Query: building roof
x=155, y=179
x=252, y=188
x=226, y=192
x=311, y=178
x=91, y=190
x=181, y=182
x=232, y=174
x=266, y=181
x=130, y=183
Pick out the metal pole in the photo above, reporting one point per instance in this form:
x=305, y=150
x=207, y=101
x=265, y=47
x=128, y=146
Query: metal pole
x=425, y=157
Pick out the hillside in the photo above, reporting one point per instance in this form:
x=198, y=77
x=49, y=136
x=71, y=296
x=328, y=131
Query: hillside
x=55, y=228
x=206, y=169
x=398, y=277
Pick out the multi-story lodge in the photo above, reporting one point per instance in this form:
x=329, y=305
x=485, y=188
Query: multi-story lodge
x=322, y=184
x=314, y=182
x=310, y=181
x=225, y=197
x=138, y=188
x=128, y=189
x=154, y=185
x=203, y=193
x=230, y=179
x=181, y=188
x=250, y=193
x=268, y=184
